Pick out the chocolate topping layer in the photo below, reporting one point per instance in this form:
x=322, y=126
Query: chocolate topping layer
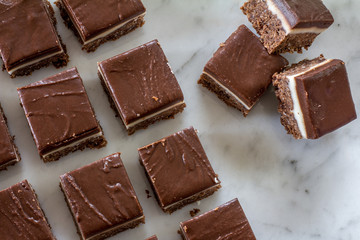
x=305, y=13
x=26, y=32
x=58, y=110
x=227, y=221
x=7, y=150
x=178, y=167
x=21, y=217
x=100, y=196
x=243, y=65
x=140, y=81
x=92, y=17
x=325, y=98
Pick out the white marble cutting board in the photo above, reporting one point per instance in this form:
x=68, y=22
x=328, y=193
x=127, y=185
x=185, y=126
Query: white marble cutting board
x=289, y=189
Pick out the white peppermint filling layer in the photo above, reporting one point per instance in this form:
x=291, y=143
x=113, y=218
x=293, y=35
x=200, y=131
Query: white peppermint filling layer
x=285, y=24
x=297, y=112
x=140, y=120
x=229, y=92
x=99, y=134
x=26, y=64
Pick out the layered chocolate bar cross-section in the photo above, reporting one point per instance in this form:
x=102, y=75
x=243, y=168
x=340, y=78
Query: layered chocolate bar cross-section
x=288, y=25
x=227, y=221
x=28, y=37
x=60, y=115
x=141, y=87
x=20, y=214
x=9, y=154
x=240, y=70
x=314, y=97
x=101, y=198
x=178, y=170
x=97, y=21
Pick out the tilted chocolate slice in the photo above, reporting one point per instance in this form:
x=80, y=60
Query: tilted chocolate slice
x=9, y=154
x=227, y=221
x=60, y=115
x=141, y=87
x=21, y=216
x=101, y=198
x=97, y=21
x=315, y=97
x=240, y=70
x=178, y=170
x=28, y=37
x=288, y=25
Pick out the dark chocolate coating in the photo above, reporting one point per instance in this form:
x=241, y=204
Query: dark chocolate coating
x=305, y=13
x=58, y=110
x=141, y=82
x=227, y=221
x=92, y=17
x=178, y=167
x=21, y=217
x=7, y=151
x=101, y=196
x=325, y=98
x=243, y=65
x=26, y=32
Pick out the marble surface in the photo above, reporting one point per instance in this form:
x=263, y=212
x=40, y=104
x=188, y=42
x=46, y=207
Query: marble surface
x=289, y=189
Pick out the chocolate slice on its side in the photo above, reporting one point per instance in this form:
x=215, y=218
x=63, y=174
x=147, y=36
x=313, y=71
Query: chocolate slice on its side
x=60, y=115
x=314, y=97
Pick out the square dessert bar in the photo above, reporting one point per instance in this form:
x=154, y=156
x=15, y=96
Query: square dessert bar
x=288, y=25
x=240, y=70
x=152, y=238
x=97, y=21
x=227, y=221
x=28, y=37
x=60, y=115
x=101, y=198
x=20, y=214
x=9, y=154
x=141, y=87
x=178, y=170
x=314, y=97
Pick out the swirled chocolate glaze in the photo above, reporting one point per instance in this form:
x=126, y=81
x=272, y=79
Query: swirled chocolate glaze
x=178, y=167
x=140, y=81
x=7, y=151
x=92, y=17
x=243, y=65
x=100, y=196
x=21, y=217
x=304, y=13
x=26, y=32
x=226, y=222
x=58, y=110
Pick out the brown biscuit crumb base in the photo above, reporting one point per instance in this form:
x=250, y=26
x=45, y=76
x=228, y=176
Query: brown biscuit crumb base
x=271, y=32
x=282, y=92
x=210, y=84
x=59, y=60
x=169, y=114
x=92, y=46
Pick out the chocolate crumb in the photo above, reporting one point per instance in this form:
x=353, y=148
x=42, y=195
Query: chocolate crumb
x=194, y=212
x=147, y=193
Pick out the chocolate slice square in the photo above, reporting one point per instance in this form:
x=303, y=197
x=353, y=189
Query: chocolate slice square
x=101, y=198
x=141, y=87
x=288, y=25
x=20, y=214
x=9, y=154
x=97, y=21
x=178, y=170
x=314, y=97
x=227, y=221
x=60, y=115
x=28, y=37
x=240, y=70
